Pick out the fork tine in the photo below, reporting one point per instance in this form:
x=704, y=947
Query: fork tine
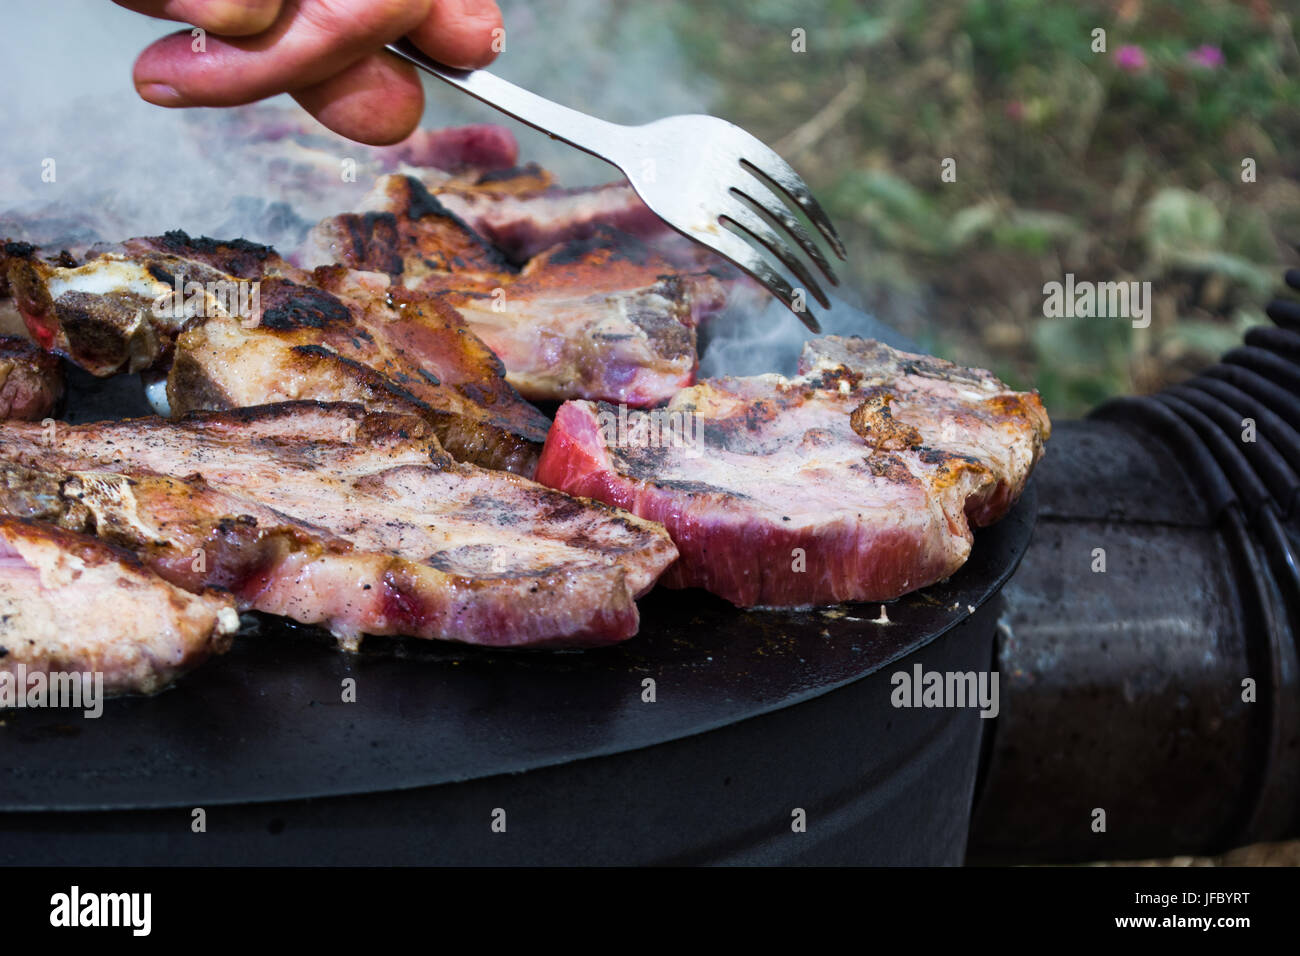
x=745, y=218
x=730, y=246
x=766, y=201
x=781, y=173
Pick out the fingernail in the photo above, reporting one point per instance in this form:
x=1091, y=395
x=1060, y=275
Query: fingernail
x=160, y=94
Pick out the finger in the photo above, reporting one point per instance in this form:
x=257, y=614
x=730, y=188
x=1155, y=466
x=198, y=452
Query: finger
x=226, y=17
x=462, y=33
x=309, y=42
x=378, y=100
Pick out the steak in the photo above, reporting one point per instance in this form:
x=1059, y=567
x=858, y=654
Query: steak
x=601, y=317
x=858, y=480
x=273, y=332
x=523, y=220
x=70, y=603
x=524, y=224
x=356, y=521
x=116, y=311
x=388, y=348
x=31, y=381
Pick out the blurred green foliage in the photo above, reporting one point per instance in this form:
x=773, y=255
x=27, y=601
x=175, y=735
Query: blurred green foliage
x=1117, y=165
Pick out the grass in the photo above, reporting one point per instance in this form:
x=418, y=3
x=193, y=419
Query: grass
x=1122, y=164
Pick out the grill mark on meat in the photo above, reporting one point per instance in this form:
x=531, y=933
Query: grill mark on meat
x=528, y=171
x=287, y=306
x=889, y=467
x=938, y=369
x=695, y=488
x=238, y=257
x=939, y=456
x=669, y=335
x=412, y=219
x=161, y=274
x=321, y=351
x=422, y=204
x=603, y=244
x=374, y=240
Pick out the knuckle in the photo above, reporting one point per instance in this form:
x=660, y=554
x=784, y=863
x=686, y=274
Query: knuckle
x=234, y=17
x=379, y=19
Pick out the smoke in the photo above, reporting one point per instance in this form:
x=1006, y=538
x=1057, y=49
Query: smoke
x=85, y=160
x=758, y=334
x=618, y=61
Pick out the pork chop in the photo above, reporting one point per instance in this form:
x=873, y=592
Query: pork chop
x=858, y=480
x=523, y=219
x=525, y=224
x=251, y=329
x=73, y=604
x=601, y=317
x=352, y=520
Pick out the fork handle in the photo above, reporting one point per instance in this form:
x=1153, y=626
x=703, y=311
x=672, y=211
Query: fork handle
x=587, y=133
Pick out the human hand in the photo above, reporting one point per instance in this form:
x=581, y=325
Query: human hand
x=327, y=54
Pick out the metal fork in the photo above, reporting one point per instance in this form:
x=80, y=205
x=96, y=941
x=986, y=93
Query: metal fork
x=698, y=174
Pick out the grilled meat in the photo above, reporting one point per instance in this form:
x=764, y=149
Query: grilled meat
x=349, y=336
x=298, y=147
x=261, y=331
x=523, y=224
x=403, y=230
x=70, y=603
x=602, y=317
x=31, y=381
x=11, y=317
x=856, y=481
x=356, y=521
x=116, y=312
x=523, y=219
x=481, y=148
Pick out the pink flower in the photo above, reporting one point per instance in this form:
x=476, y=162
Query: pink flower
x=1015, y=110
x=1208, y=56
x=1131, y=58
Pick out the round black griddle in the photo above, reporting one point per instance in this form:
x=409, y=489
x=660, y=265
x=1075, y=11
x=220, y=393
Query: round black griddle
x=266, y=726
x=267, y=721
